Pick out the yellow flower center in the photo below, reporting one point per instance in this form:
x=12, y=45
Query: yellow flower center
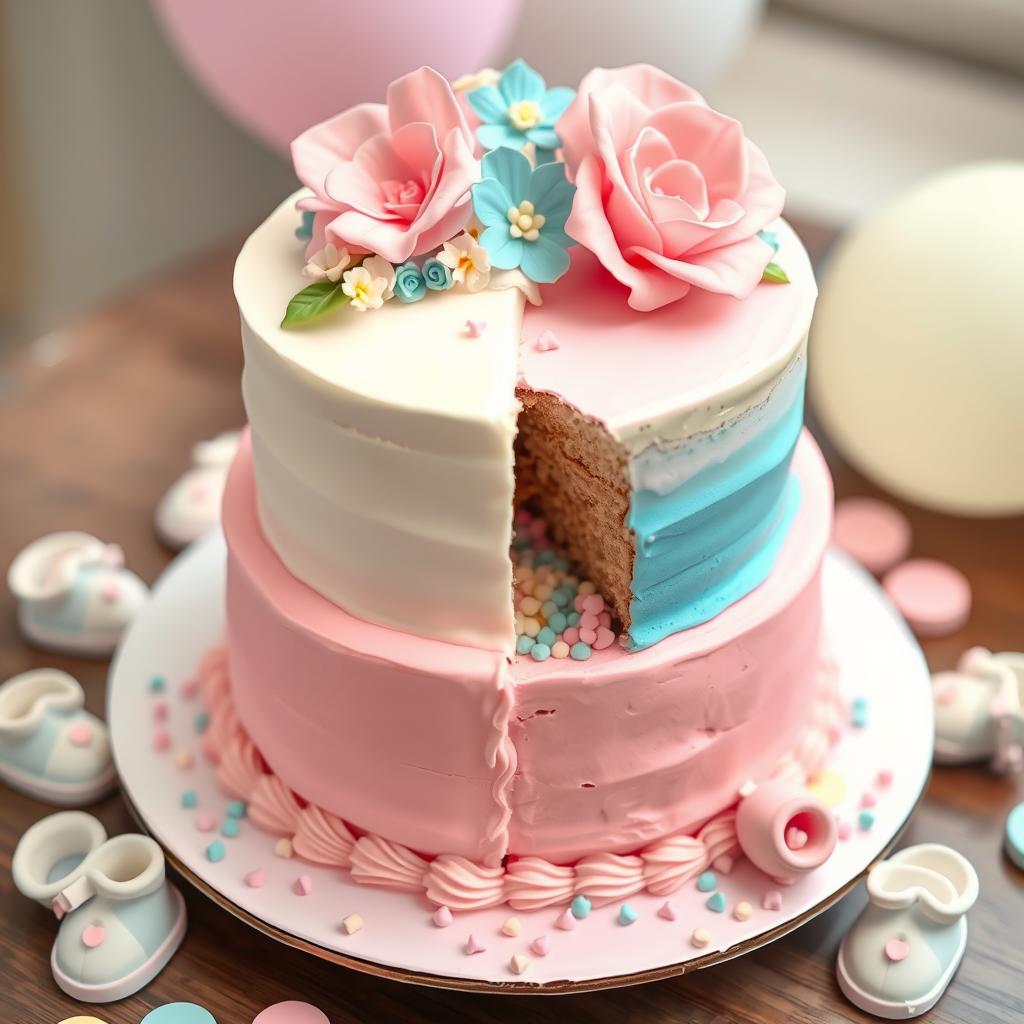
x=524, y=223
x=362, y=292
x=524, y=114
x=466, y=263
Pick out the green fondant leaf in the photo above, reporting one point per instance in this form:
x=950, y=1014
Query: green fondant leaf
x=313, y=301
x=774, y=273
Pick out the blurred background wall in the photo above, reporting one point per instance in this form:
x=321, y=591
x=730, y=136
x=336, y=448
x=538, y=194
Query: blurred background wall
x=115, y=163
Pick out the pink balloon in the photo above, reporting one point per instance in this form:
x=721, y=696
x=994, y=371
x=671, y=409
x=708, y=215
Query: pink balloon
x=278, y=66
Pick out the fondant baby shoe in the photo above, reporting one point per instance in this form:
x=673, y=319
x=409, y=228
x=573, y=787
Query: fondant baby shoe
x=192, y=506
x=74, y=593
x=50, y=747
x=902, y=952
x=121, y=921
x=979, y=710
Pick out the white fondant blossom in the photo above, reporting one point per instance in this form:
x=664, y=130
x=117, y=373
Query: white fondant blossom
x=365, y=290
x=477, y=80
x=328, y=264
x=378, y=267
x=468, y=261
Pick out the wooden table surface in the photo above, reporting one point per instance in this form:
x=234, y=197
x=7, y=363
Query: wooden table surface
x=96, y=420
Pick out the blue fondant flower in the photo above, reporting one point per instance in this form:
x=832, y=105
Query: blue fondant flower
x=523, y=210
x=436, y=276
x=409, y=283
x=519, y=109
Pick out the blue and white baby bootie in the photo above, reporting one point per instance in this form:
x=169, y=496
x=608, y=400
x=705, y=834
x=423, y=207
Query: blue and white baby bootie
x=51, y=748
x=74, y=593
x=121, y=921
x=192, y=505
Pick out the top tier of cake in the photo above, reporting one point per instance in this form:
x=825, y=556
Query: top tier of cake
x=383, y=444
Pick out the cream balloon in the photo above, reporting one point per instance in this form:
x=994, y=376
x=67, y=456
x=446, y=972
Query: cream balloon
x=917, y=345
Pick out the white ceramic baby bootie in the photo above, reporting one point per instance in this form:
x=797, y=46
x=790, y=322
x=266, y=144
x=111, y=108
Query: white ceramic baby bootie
x=121, y=921
x=74, y=593
x=903, y=950
x=192, y=505
x=979, y=710
x=50, y=747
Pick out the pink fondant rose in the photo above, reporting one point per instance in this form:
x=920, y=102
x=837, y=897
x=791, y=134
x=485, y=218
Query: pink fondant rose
x=670, y=194
x=390, y=179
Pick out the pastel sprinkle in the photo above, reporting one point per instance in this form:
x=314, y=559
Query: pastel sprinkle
x=519, y=963
x=206, y=822
x=303, y=886
x=184, y=759
x=80, y=734
x=546, y=636
x=201, y=721
x=566, y=922
x=716, y=902
x=541, y=945
x=216, y=851
x=700, y=938
x=230, y=828
x=580, y=651
x=283, y=848
x=605, y=638
x=627, y=915
x=667, y=911
x=236, y=809
x=547, y=341
x=161, y=740
x=796, y=838
x=511, y=927
x=256, y=878
x=844, y=830
x=442, y=917
x=161, y=709
x=772, y=900
x=540, y=652
x=707, y=881
x=742, y=911
x=865, y=820
x=560, y=649
x=884, y=778
x=571, y=633
x=476, y=328
x=474, y=945
x=580, y=907
x=351, y=924
x=157, y=684
x=524, y=644
x=189, y=688
x=868, y=799
x=859, y=712
x=189, y=799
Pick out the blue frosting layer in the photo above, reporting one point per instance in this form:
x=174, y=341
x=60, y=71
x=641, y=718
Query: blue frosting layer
x=714, y=538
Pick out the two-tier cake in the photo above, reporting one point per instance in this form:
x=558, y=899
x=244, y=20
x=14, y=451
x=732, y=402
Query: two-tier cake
x=525, y=541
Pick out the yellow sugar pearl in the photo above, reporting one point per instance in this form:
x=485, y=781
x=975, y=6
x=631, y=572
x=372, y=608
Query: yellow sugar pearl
x=526, y=585
x=530, y=605
x=543, y=592
x=531, y=627
x=743, y=911
x=586, y=588
x=700, y=937
x=560, y=649
x=829, y=788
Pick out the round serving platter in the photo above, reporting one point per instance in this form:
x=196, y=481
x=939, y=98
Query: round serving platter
x=886, y=755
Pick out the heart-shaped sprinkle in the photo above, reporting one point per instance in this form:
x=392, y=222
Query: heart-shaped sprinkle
x=547, y=341
x=93, y=935
x=541, y=945
x=580, y=907
x=707, y=881
x=896, y=950
x=256, y=878
x=566, y=921
x=865, y=820
x=80, y=734
x=716, y=902
x=667, y=911
x=627, y=915
x=303, y=885
x=519, y=963
x=442, y=917
x=474, y=945
x=772, y=900
x=796, y=838
x=476, y=328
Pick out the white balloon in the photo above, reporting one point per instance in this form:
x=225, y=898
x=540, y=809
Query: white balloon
x=917, y=346
x=691, y=39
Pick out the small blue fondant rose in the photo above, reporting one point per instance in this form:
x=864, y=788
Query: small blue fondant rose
x=519, y=109
x=436, y=275
x=409, y=283
x=524, y=210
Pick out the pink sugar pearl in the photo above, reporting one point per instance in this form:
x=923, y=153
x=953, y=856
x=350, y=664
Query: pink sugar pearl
x=571, y=634
x=588, y=636
x=605, y=619
x=605, y=638
x=206, y=822
x=593, y=603
x=588, y=620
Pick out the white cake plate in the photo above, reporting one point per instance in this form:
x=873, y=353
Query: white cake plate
x=878, y=659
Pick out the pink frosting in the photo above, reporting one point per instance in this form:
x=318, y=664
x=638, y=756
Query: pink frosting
x=240, y=768
x=532, y=883
x=670, y=194
x=323, y=838
x=608, y=877
x=391, y=179
x=671, y=861
x=459, y=884
x=378, y=862
x=273, y=806
x=719, y=836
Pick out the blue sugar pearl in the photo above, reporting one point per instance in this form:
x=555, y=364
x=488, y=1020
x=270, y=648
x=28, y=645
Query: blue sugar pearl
x=546, y=636
x=548, y=608
x=216, y=851
x=230, y=828
x=716, y=902
x=865, y=820
x=561, y=565
x=157, y=684
x=557, y=622
x=545, y=557
x=236, y=809
x=580, y=907
x=524, y=644
x=627, y=915
x=190, y=798
x=580, y=651
x=540, y=652
x=573, y=618
x=201, y=721
x=707, y=881
x=562, y=597
x=859, y=713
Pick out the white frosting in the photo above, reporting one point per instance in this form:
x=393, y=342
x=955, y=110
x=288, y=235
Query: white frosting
x=382, y=443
